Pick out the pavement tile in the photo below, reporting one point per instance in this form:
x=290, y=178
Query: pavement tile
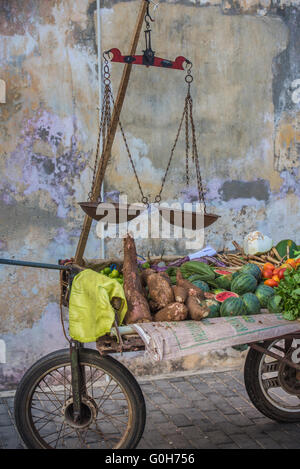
x=203, y=405
x=202, y=443
x=218, y=437
x=205, y=424
x=157, y=417
x=10, y=438
x=229, y=428
x=237, y=402
x=180, y=420
x=245, y=442
x=169, y=428
x=268, y=443
x=179, y=442
x=5, y=420
x=226, y=408
x=215, y=416
x=182, y=403
x=228, y=446
x=240, y=420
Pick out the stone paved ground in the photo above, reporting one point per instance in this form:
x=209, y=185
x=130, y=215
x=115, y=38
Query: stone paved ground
x=200, y=411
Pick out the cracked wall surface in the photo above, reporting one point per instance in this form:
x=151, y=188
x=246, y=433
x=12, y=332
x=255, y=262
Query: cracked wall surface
x=246, y=93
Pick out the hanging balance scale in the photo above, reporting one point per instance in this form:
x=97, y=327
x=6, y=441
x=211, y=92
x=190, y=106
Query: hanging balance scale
x=95, y=208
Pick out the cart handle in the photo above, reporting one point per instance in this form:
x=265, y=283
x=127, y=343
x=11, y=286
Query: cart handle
x=34, y=264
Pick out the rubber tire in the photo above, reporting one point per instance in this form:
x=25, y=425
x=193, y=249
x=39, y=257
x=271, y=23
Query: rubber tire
x=255, y=393
x=121, y=374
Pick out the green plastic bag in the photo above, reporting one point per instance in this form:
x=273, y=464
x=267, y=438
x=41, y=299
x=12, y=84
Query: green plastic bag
x=90, y=313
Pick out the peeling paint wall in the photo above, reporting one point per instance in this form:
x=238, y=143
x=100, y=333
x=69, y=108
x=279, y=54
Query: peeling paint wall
x=246, y=92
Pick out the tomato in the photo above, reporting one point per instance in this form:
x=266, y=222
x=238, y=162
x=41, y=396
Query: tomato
x=291, y=262
x=269, y=266
x=276, y=271
x=271, y=283
x=281, y=273
x=267, y=274
x=276, y=278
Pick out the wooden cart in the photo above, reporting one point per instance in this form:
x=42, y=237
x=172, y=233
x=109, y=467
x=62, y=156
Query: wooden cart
x=80, y=397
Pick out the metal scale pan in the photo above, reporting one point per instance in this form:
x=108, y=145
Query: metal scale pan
x=121, y=213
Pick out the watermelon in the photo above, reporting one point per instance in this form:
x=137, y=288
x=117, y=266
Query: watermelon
x=251, y=303
x=200, y=284
x=235, y=274
x=213, y=306
x=274, y=305
x=224, y=295
x=224, y=281
x=222, y=272
x=243, y=283
x=264, y=293
x=252, y=269
x=232, y=307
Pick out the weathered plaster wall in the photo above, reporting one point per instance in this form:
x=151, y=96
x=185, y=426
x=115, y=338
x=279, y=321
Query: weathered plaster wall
x=247, y=114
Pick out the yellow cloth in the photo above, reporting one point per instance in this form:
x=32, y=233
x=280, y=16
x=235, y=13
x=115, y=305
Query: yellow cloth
x=90, y=313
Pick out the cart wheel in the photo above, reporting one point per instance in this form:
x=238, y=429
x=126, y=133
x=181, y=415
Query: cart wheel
x=272, y=385
x=113, y=406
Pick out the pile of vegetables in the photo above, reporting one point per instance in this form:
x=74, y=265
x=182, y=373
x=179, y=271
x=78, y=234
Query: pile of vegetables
x=287, y=295
x=274, y=275
x=112, y=272
x=200, y=289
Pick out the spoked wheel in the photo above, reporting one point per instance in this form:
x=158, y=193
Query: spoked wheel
x=113, y=408
x=272, y=385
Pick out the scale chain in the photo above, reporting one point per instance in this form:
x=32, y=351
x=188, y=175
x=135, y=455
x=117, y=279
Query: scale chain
x=187, y=116
x=104, y=127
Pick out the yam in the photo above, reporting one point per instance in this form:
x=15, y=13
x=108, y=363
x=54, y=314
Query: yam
x=181, y=282
x=180, y=293
x=166, y=276
x=195, y=310
x=138, y=308
x=153, y=306
x=173, y=312
x=145, y=274
x=159, y=290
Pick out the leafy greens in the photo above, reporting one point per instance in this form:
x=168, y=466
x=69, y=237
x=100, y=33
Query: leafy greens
x=289, y=290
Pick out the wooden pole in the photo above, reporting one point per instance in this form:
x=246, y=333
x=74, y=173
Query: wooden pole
x=112, y=132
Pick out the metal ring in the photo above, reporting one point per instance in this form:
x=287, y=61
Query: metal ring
x=189, y=78
x=145, y=201
x=107, y=52
x=188, y=65
x=107, y=81
x=157, y=199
